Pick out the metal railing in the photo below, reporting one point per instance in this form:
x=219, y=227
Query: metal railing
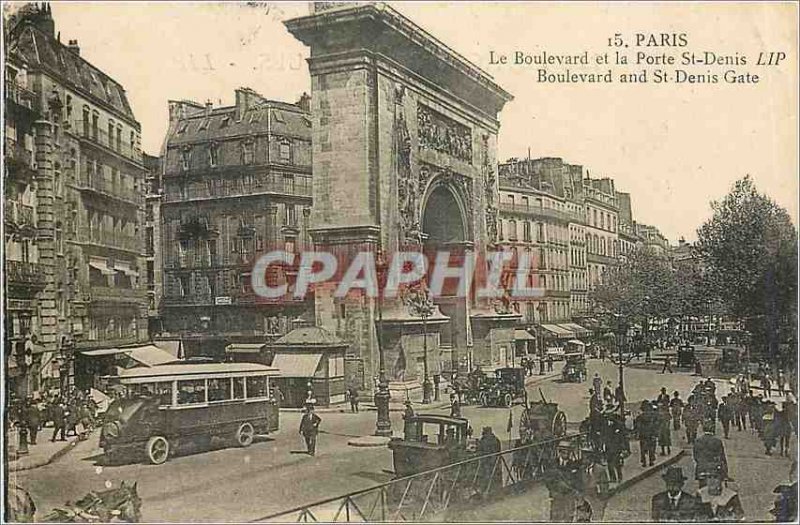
x=97, y=135
x=96, y=182
x=257, y=183
x=19, y=214
x=20, y=95
x=537, y=211
x=21, y=272
x=426, y=495
x=110, y=239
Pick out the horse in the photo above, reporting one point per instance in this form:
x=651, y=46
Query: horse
x=121, y=504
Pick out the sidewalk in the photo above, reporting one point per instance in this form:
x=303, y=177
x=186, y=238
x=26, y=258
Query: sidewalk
x=42, y=453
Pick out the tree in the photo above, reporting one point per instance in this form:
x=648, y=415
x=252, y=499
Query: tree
x=749, y=248
x=640, y=288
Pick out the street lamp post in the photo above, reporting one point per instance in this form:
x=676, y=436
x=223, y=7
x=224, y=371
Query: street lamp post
x=383, y=425
x=421, y=306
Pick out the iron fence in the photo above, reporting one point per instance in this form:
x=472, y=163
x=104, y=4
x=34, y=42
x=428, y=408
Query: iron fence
x=427, y=495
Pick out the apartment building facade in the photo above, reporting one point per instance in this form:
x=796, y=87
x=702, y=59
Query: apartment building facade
x=89, y=188
x=236, y=183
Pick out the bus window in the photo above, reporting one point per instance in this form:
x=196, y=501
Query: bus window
x=257, y=387
x=238, y=388
x=192, y=391
x=219, y=389
x=164, y=392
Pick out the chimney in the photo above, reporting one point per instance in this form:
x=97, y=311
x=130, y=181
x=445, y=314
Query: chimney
x=245, y=99
x=209, y=107
x=305, y=102
x=74, y=47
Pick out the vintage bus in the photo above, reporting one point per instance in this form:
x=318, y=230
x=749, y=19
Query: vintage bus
x=174, y=403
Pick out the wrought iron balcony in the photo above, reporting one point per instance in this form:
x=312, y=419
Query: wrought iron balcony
x=19, y=161
x=19, y=215
x=535, y=211
x=258, y=183
x=115, y=295
x=113, y=240
x=96, y=183
x=25, y=274
x=20, y=95
x=85, y=130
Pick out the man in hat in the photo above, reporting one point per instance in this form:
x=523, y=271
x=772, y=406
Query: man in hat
x=676, y=408
x=663, y=397
x=597, y=384
x=646, y=427
x=725, y=415
x=673, y=504
x=489, y=444
x=409, y=429
x=455, y=406
x=309, y=428
x=716, y=502
x=615, y=441
x=709, y=455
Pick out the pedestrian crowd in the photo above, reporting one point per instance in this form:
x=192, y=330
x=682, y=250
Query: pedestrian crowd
x=71, y=414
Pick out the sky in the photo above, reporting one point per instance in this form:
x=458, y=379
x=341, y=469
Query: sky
x=674, y=147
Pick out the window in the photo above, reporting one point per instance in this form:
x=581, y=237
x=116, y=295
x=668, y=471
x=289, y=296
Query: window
x=525, y=201
x=182, y=127
x=285, y=151
x=526, y=231
x=95, y=125
x=119, y=138
x=512, y=230
x=185, y=159
x=192, y=391
x=204, y=124
x=247, y=153
x=238, y=388
x=110, y=133
x=335, y=366
x=219, y=389
x=225, y=122
x=257, y=387
x=291, y=215
x=85, y=121
x=213, y=155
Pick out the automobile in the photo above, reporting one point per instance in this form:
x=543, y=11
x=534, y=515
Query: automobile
x=730, y=360
x=430, y=441
x=574, y=368
x=685, y=356
x=507, y=386
x=170, y=404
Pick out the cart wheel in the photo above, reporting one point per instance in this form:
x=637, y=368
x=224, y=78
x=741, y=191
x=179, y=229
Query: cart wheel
x=559, y=424
x=507, y=400
x=245, y=434
x=157, y=450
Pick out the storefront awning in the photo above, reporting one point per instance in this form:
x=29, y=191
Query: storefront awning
x=296, y=365
x=557, y=331
x=244, y=348
x=148, y=355
x=101, y=264
x=523, y=335
x=575, y=328
x=125, y=267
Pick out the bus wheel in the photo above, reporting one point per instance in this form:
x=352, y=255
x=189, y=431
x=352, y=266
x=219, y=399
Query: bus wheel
x=157, y=450
x=245, y=434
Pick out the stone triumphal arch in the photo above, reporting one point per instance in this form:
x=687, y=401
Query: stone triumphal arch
x=404, y=155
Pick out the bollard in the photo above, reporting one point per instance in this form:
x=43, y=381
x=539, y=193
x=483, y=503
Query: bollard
x=22, y=447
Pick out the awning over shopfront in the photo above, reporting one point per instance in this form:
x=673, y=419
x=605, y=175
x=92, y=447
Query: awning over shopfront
x=125, y=267
x=557, y=331
x=295, y=364
x=101, y=264
x=244, y=348
x=523, y=335
x=577, y=329
x=147, y=355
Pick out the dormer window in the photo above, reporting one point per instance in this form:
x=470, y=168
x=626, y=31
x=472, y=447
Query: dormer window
x=204, y=124
x=225, y=122
x=182, y=127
